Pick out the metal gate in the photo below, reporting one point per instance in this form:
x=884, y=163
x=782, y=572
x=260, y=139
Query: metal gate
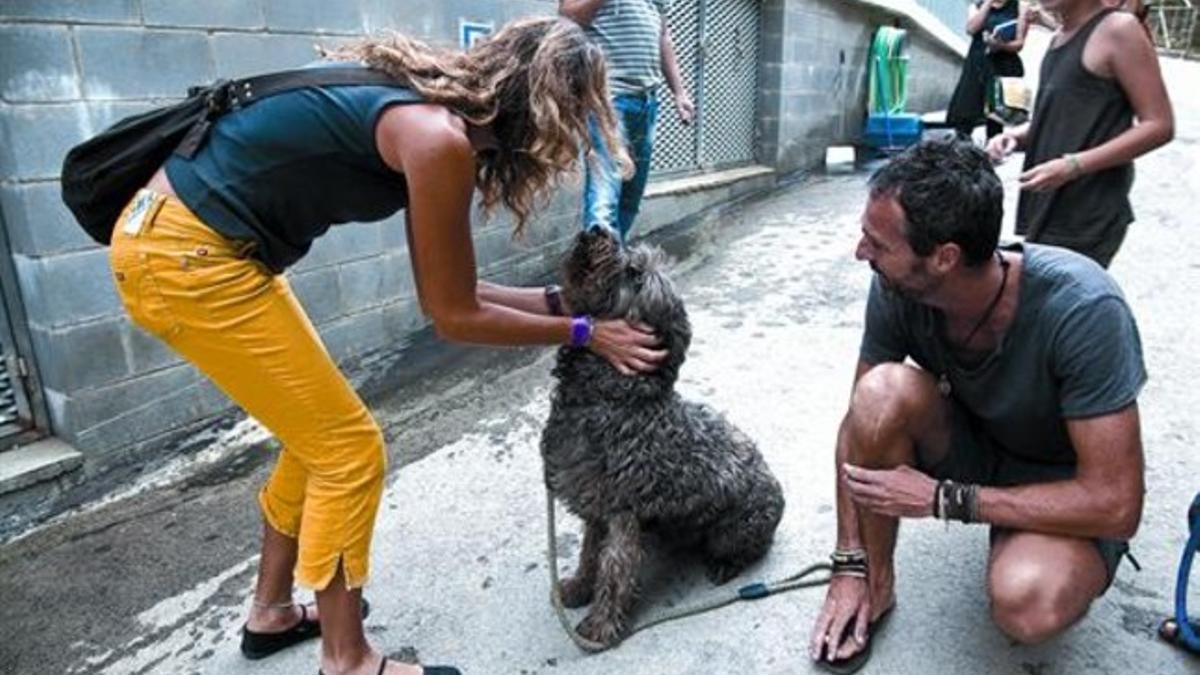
x=1173, y=24
x=717, y=44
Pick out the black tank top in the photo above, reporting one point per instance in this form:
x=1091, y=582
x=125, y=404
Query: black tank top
x=1076, y=110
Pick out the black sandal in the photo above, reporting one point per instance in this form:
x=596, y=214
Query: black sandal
x=855, y=662
x=256, y=645
x=425, y=670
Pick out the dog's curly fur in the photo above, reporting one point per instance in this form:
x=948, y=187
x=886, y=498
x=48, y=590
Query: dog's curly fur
x=627, y=455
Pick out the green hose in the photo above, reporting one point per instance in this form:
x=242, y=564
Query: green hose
x=887, y=91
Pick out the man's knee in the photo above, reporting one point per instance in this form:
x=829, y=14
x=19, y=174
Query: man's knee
x=895, y=389
x=1030, y=603
x=889, y=400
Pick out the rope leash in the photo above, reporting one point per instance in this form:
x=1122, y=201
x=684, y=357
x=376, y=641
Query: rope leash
x=754, y=591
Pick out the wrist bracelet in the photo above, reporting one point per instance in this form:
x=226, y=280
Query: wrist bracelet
x=959, y=501
x=1076, y=167
x=581, y=330
x=849, y=563
x=554, y=300
x=849, y=555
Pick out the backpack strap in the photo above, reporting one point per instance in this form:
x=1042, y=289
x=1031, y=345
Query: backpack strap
x=245, y=91
x=224, y=96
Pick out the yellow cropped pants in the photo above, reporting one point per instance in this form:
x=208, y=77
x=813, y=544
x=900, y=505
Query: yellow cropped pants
x=241, y=326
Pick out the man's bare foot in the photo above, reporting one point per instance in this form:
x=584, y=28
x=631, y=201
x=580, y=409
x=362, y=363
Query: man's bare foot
x=881, y=601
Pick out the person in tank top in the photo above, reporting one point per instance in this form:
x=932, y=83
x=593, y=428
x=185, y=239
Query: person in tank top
x=197, y=258
x=1099, y=75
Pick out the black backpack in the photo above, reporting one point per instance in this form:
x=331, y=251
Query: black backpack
x=101, y=175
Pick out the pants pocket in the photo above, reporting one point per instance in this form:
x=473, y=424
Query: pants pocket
x=139, y=291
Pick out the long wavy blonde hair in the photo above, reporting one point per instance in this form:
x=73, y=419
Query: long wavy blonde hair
x=536, y=81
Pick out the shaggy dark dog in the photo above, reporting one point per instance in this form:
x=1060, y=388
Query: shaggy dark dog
x=628, y=456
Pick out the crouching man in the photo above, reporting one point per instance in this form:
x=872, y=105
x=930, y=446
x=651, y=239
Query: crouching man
x=1021, y=411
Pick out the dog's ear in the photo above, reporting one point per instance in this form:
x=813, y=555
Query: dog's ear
x=591, y=271
x=673, y=328
x=657, y=304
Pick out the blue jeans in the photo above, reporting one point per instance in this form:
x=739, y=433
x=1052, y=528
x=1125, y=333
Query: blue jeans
x=609, y=201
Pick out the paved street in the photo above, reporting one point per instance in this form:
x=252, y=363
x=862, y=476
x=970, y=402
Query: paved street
x=158, y=582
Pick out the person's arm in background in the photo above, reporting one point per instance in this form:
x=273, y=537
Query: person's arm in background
x=1123, y=53
x=1004, y=144
x=670, y=69
x=978, y=16
x=580, y=11
x=1040, y=17
x=1016, y=44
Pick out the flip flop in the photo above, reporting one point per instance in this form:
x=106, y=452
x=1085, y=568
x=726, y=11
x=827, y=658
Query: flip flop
x=425, y=670
x=256, y=645
x=855, y=662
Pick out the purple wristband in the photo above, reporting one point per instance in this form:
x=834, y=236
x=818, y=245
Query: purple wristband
x=581, y=330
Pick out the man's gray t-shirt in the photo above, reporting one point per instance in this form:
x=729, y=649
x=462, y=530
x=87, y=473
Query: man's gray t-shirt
x=1072, y=352
x=630, y=32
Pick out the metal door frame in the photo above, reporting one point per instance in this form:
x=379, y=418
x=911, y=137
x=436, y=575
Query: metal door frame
x=33, y=422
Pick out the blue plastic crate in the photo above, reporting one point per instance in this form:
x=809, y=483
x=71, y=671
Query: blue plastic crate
x=892, y=131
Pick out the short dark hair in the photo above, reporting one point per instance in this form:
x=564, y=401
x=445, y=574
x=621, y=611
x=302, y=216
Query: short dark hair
x=949, y=193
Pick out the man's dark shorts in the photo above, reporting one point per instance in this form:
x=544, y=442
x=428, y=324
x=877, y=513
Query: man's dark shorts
x=976, y=458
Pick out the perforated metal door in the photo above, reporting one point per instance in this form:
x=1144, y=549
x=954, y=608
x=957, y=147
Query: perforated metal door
x=717, y=45
x=675, y=143
x=730, y=77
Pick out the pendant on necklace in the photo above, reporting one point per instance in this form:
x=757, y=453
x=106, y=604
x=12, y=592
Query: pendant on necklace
x=943, y=386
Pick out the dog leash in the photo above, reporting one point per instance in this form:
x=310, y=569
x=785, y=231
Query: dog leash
x=754, y=591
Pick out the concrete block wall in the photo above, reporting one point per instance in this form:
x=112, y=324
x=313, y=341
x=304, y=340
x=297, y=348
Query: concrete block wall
x=69, y=68
x=814, y=75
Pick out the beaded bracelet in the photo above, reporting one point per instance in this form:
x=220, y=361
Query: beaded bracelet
x=849, y=563
x=957, y=501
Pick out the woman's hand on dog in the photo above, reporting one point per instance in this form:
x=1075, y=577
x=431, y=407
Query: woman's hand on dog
x=841, y=628
x=628, y=347
x=902, y=492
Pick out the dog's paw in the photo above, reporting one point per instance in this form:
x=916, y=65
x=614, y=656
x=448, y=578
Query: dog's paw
x=605, y=632
x=575, y=592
